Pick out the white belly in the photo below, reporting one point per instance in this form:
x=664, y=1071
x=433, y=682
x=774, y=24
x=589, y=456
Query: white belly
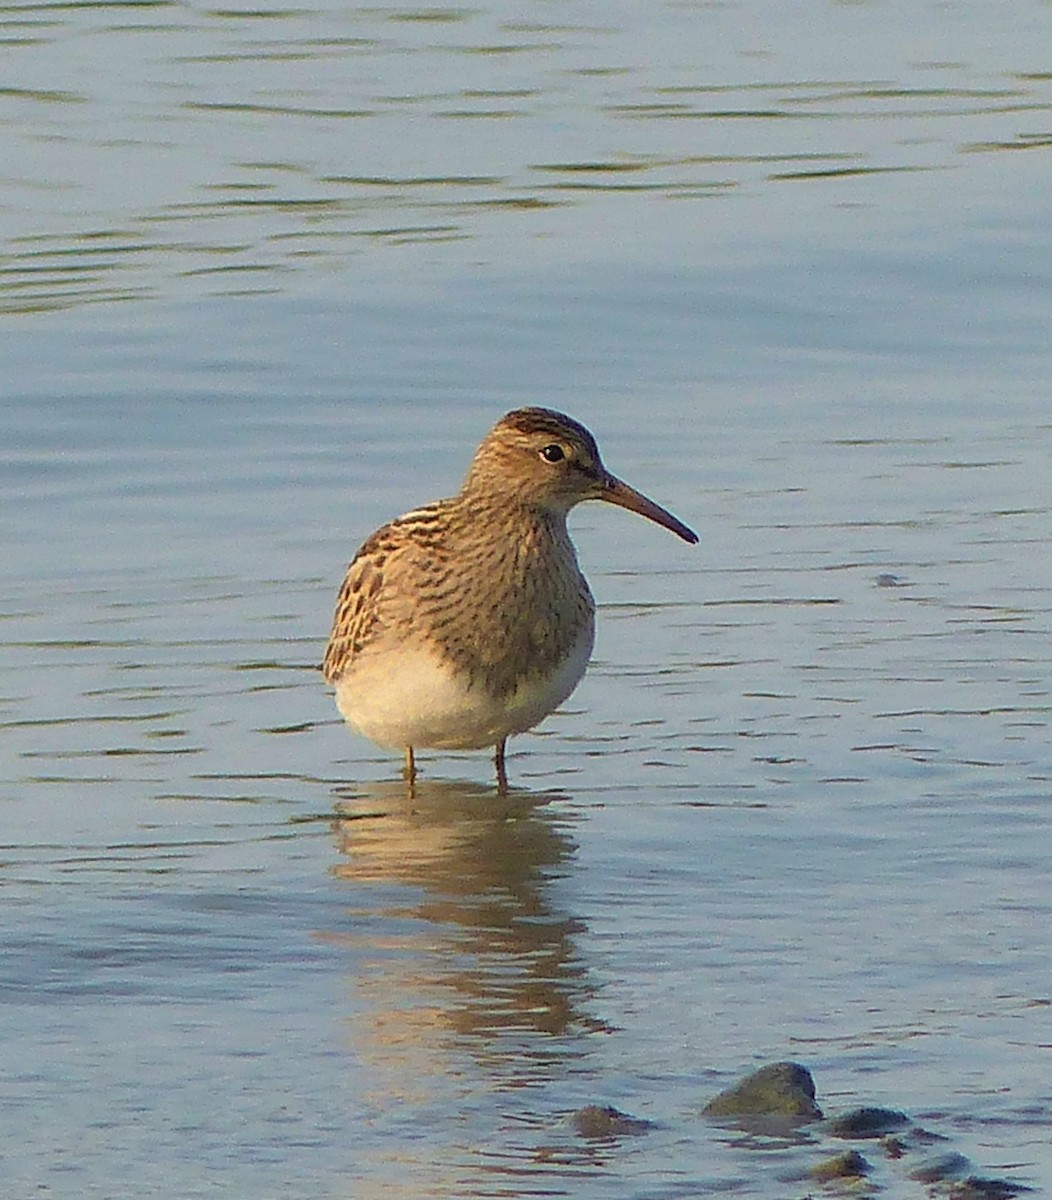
x=410, y=696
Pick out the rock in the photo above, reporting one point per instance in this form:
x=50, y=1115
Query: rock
x=604, y=1121
x=783, y=1089
x=941, y=1168
x=976, y=1188
x=867, y=1123
x=849, y=1165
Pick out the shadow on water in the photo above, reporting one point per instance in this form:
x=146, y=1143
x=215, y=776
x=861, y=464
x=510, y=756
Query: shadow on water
x=455, y=914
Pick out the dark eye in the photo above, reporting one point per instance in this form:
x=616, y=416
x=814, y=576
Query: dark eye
x=553, y=453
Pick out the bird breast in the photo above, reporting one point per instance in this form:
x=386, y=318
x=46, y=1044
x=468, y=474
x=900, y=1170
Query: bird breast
x=516, y=611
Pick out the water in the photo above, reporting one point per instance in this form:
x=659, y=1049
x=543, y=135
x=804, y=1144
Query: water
x=268, y=275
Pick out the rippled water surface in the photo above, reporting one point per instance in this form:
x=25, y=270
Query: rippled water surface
x=267, y=276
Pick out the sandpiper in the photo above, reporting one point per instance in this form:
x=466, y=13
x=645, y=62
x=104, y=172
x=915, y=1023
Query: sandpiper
x=468, y=620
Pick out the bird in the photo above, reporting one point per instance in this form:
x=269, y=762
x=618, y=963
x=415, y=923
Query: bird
x=468, y=620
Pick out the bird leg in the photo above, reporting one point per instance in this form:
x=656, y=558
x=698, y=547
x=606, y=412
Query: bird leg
x=502, y=774
x=409, y=770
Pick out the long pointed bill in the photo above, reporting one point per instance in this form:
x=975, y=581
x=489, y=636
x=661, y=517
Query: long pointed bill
x=616, y=492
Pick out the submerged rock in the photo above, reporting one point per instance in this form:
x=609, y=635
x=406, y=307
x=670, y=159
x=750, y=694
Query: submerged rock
x=941, y=1168
x=849, y=1165
x=977, y=1188
x=604, y=1121
x=783, y=1089
x=867, y=1123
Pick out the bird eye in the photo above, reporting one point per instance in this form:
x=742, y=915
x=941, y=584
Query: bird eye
x=553, y=453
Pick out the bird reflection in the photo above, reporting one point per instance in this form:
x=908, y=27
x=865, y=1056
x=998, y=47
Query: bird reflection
x=458, y=932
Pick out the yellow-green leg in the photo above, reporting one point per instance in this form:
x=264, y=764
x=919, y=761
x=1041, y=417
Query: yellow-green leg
x=498, y=762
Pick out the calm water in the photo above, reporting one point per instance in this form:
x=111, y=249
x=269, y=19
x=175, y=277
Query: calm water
x=267, y=277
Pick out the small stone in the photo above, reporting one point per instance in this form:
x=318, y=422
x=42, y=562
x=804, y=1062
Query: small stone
x=849, y=1165
x=783, y=1089
x=867, y=1123
x=604, y=1121
x=941, y=1168
x=976, y=1188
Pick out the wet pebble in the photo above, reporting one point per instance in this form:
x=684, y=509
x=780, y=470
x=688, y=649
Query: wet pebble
x=604, y=1121
x=940, y=1169
x=849, y=1165
x=784, y=1089
x=867, y=1122
x=977, y=1188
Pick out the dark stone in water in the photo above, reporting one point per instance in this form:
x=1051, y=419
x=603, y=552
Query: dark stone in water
x=867, y=1123
x=603, y=1121
x=975, y=1188
x=849, y=1165
x=783, y=1089
x=940, y=1169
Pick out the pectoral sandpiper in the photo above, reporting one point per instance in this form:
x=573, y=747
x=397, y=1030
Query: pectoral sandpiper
x=468, y=620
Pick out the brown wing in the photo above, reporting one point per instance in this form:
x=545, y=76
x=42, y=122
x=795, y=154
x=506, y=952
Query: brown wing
x=381, y=588
x=357, y=607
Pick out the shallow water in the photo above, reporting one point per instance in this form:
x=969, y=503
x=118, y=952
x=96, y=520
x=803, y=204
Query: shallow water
x=265, y=288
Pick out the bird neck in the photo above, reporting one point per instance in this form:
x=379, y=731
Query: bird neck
x=518, y=519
